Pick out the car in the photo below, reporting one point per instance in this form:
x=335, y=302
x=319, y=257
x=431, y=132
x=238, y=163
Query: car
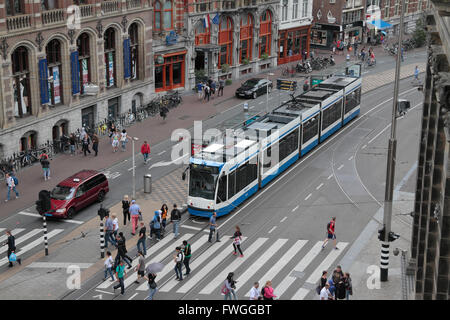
x=254, y=87
x=77, y=192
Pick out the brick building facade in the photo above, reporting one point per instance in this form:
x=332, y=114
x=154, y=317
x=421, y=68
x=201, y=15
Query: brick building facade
x=65, y=64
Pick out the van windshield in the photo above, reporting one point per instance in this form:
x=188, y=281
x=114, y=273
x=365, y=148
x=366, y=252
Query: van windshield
x=62, y=193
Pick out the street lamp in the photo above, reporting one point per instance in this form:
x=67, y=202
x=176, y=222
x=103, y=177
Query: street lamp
x=134, y=168
x=267, y=91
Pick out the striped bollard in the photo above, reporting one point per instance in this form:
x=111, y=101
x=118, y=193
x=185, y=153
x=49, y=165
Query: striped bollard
x=102, y=240
x=45, y=234
x=384, y=262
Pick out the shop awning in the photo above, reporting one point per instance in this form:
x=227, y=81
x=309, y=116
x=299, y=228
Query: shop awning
x=379, y=24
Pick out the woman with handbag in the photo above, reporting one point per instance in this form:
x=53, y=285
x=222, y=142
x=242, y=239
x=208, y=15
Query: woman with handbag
x=126, y=209
x=237, y=241
x=267, y=291
x=229, y=286
x=152, y=286
x=11, y=249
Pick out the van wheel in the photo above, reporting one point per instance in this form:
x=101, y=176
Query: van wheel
x=70, y=213
x=101, y=196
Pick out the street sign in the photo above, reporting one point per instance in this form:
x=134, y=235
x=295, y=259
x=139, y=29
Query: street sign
x=287, y=85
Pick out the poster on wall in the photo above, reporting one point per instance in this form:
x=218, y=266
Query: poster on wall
x=84, y=72
x=56, y=85
x=110, y=69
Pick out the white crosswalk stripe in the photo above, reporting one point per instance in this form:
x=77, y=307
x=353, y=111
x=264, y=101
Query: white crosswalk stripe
x=33, y=244
x=14, y=232
x=233, y=266
x=281, y=263
x=2, y=229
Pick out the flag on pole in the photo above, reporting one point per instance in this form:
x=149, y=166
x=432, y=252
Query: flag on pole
x=207, y=22
x=216, y=19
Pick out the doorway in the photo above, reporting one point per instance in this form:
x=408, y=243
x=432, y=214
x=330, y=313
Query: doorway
x=200, y=61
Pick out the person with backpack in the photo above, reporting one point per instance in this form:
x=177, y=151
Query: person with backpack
x=45, y=163
x=267, y=291
x=152, y=286
x=145, y=150
x=229, y=286
x=12, y=182
x=237, y=238
x=187, y=256
x=178, y=259
x=155, y=225
x=175, y=217
x=330, y=233
x=11, y=242
x=207, y=92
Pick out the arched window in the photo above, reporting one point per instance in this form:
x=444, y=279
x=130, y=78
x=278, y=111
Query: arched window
x=134, y=50
x=14, y=7
x=226, y=41
x=84, y=60
x=202, y=34
x=53, y=50
x=246, y=36
x=157, y=16
x=168, y=15
x=110, y=57
x=21, y=82
x=265, y=34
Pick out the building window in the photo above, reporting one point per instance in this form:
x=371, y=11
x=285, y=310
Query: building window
x=48, y=4
x=202, y=34
x=295, y=9
x=419, y=6
x=246, y=35
x=157, y=16
x=319, y=38
x=14, y=7
x=265, y=35
x=305, y=8
x=386, y=11
x=110, y=57
x=168, y=15
x=284, y=10
x=53, y=50
x=169, y=72
x=84, y=60
x=134, y=50
x=21, y=82
x=225, y=41
x=78, y=2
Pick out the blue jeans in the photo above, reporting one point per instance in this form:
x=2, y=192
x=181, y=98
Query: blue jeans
x=177, y=269
x=121, y=285
x=151, y=292
x=46, y=173
x=9, y=191
x=109, y=237
x=124, y=144
x=72, y=149
x=109, y=270
x=145, y=156
x=142, y=242
x=176, y=226
x=228, y=295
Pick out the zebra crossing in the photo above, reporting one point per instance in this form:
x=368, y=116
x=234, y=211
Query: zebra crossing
x=284, y=261
x=25, y=241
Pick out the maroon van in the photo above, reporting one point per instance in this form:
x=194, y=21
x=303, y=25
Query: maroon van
x=77, y=192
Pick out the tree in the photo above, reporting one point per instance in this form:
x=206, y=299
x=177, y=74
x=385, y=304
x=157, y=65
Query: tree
x=420, y=34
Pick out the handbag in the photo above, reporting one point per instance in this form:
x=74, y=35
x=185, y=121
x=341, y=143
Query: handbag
x=140, y=217
x=12, y=257
x=153, y=285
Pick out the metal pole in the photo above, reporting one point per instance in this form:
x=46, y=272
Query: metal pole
x=390, y=172
x=267, y=94
x=44, y=218
x=102, y=240
x=134, y=174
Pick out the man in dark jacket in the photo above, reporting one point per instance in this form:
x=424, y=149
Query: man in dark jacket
x=175, y=217
x=122, y=251
x=45, y=163
x=95, y=141
x=11, y=247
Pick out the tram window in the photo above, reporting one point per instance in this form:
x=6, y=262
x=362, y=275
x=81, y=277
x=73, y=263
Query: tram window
x=310, y=129
x=352, y=100
x=202, y=183
x=288, y=144
x=231, y=184
x=222, y=190
x=245, y=175
x=267, y=157
x=331, y=115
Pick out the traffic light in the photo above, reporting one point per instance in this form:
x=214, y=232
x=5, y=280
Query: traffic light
x=102, y=212
x=381, y=234
x=43, y=205
x=393, y=236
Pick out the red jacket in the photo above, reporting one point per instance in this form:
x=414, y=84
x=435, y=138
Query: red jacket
x=145, y=148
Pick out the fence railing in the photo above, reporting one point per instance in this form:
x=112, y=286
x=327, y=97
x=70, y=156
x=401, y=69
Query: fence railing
x=16, y=23
x=52, y=16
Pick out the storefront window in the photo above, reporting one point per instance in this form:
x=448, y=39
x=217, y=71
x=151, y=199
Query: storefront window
x=53, y=50
x=319, y=38
x=169, y=72
x=110, y=57
x=225, y=41
x=84, y=60
x=21, y=82
x=265, y=33
x=246, y=35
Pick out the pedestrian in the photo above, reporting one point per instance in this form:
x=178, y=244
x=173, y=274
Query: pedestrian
x=334, y=47
x=254, y=292
x=332, y=288
x=213, y=88
x=152, y=286
x=337, y=276
x=95, y=141
x=145, y=150
x=142, y=238
x=212, y=227
x=348, y=285
x=126, y=209
x=11, y=181
x=200, y=87
x=402, y=53
x=135, y=211
x=175, y=217
x=108, y=266
x=115, y=141
x=11, y=242
x=140, y=268
x=178, y=259
x=122, y=251
x=267, y=291
x=325, y=293
x=416, y=73
x=72, y=141
x=237, y=238
x=85, y=143
x=187, y=256
x=207, y=92
x=221, y=86
x=120, y=275
x=355, y=48
x=45, y=163
x=155, y=225
x=229, y=286
x=109, y=234
x=124, y=139
x=115, y=224
x=340, y=289
x=164, y=210
x=330, y=233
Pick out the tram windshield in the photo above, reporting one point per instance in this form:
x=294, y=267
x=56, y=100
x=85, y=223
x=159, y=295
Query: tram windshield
x=202, y=182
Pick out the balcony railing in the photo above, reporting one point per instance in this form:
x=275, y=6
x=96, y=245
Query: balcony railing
x=52, y=16
x=133, y=4
x=110, y=6
x=16, y=23
x=86, y=10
